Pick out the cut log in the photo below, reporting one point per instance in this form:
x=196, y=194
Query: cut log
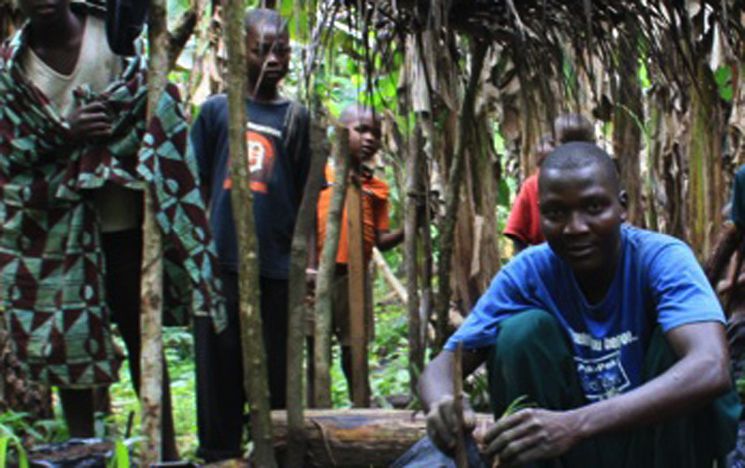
x=356, y=437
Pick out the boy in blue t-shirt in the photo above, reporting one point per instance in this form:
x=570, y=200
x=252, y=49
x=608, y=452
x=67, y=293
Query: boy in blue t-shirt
x=607, y=328
x=279, y=159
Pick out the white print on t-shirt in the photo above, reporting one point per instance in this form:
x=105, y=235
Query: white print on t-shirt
x=610, y=343
x=602, y=377
x=256, y=153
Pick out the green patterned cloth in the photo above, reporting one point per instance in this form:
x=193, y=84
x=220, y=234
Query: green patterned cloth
x=51, y=261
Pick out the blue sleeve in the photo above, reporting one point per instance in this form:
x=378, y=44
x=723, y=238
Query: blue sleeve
x=680, y=288
x=508, y=294
x=202, y=142
x=738, y=198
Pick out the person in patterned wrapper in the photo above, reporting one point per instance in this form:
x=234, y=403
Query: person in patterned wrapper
x=73, y=140
x=613, y=331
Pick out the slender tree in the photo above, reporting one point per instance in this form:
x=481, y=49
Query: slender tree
x=411, y=221
x=452, y=191
x=327, y=266
x=304, y=226
x=254, y=356
x=151, y=360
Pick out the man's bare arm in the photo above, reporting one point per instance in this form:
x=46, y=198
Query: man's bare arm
x=436, y=392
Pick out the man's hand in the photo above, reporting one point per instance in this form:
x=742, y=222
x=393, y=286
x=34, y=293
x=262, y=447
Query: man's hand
x=530, y=435
x=90, y=121
x=442, y=423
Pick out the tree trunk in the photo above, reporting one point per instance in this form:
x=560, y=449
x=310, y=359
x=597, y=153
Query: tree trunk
x=705, y=196
x=326, y=270
x=452, y=191
x=628, y=116
x=413, y=189
x=357, y=437
x=254, y=356
x=151, y=360
x=304, y=225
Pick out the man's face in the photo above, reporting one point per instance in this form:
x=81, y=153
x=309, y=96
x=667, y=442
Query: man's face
x=44, y=12
x=364, y=136
x=581, y=215
x=267, y=54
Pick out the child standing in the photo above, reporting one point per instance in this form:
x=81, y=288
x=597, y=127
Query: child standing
x=364, y=143
x=279, y=159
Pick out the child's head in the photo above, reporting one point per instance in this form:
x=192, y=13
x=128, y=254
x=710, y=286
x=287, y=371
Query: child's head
x=43, y=13
x=267, y=50
x=545, y=146
x=573, y=127
x=364, y=131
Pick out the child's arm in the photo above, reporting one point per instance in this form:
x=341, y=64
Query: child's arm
x=386, y=240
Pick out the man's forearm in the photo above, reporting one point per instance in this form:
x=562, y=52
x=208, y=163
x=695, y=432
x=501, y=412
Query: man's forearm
x=690, y=383
x=436, y=381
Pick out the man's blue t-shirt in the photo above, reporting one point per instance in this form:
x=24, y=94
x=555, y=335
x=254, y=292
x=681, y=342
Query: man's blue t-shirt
x=658, y=281
x=278, y=161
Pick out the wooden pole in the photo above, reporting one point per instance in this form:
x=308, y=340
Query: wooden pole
x=151, y=303
x=255, y=374
x=356, y=265
x=296, y=308
x=413, y=187
x=326, y=269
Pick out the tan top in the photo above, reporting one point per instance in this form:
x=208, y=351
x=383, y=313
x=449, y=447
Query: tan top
x=97, y=66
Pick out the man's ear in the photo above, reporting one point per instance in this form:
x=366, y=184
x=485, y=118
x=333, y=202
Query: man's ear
x=623, y=199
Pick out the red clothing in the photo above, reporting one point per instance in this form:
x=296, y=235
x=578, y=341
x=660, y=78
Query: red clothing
x=524, y=222
x=374, y=214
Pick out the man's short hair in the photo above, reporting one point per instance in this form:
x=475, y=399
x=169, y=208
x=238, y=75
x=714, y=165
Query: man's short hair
x=580, y=154
x=353, y=111
x=573, y=127
x=255, y=17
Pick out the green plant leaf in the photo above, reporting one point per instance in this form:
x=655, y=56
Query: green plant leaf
x=22, y=455
x=120, y=459
x=3, y=451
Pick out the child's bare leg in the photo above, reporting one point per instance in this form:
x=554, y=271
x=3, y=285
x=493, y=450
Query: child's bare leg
x=77, y=404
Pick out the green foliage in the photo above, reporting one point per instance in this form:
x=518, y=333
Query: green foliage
x=723, y=78
x=120, y=458
x=178, y=344
x=22, y=457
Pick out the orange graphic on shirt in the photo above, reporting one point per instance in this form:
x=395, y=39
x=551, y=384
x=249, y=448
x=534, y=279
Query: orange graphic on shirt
x=260, y=162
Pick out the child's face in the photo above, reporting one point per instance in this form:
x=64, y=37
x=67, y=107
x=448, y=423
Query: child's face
x=44, y=12
x=267, y=55
x=364, y=136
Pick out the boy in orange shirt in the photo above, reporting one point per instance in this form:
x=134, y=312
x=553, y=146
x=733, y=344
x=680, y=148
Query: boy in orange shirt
x=364, y=143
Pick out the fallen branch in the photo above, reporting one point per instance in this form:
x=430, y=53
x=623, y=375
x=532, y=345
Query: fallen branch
x=390, y=277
